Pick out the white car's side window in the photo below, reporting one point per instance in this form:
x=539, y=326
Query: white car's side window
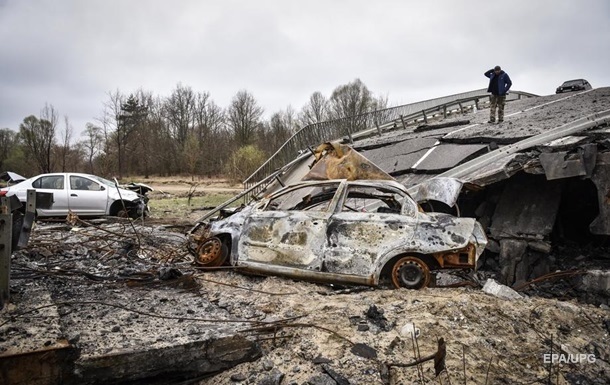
x=80, y=183
x=54, y=182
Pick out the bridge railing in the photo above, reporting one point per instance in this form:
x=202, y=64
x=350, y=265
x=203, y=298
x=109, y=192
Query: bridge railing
x=354, y=127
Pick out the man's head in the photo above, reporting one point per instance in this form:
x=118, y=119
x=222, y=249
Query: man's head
x=497, y=69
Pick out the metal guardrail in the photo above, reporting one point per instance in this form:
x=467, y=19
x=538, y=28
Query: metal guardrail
x=362, y=125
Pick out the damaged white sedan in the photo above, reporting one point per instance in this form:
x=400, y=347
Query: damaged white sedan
x=338, y=231
x=82, y=194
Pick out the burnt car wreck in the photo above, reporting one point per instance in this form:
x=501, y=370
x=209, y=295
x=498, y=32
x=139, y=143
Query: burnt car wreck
x=363, y=232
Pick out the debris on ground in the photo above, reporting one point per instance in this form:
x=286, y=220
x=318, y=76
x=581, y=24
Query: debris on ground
x=501, y=291
x=132, y=305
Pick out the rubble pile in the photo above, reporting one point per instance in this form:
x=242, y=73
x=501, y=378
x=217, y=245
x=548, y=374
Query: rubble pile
x=511, y=334
x=117, y=295
x=133, y=307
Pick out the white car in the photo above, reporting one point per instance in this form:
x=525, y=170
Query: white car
x=83, y=194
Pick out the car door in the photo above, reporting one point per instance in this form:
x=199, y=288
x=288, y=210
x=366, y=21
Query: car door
x=87, y=196
x=55, y=184
x=290, y=230
x=370, y=221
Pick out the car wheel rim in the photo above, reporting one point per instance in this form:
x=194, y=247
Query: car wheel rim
x=210, y=253
x=411, y=273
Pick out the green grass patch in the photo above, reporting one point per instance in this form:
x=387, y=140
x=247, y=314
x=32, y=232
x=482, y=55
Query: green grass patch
x=178, y=207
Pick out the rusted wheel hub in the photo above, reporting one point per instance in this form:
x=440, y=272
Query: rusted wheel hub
x=411, y=273
x=211, y=253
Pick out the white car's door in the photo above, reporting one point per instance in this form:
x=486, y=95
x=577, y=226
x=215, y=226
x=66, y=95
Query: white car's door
x=86, y=196
x=55, y=184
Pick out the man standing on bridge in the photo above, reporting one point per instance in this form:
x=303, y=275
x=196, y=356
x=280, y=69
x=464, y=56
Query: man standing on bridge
x=499, y=84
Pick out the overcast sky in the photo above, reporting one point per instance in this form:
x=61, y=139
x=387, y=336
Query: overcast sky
x=71, y=53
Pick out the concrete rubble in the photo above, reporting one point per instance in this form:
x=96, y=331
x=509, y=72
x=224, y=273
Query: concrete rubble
x=501, y=291
x=114, y=311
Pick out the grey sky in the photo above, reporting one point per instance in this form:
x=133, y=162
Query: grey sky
x=70, y=53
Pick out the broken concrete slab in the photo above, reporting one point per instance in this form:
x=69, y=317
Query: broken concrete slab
x=597, y=281
x=512, y=254
x=558, y=165
x=601, y=179
x=446, y=156
x=563, y=144
x=178, y=361
x=528, y=118
x=120, y=311
x=564, y=164
x=498, y=290
x=399, y=157
x=533, y=213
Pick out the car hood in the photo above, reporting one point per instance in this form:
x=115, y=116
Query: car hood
x=11, y=177
x=124, y=194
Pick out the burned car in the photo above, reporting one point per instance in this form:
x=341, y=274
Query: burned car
x=339, y=231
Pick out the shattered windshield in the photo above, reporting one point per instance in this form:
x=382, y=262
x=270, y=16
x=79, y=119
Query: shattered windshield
x=307, y=198
x=102, y=180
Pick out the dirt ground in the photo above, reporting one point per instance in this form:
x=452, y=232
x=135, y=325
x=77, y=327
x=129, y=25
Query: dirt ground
x=181, y=185
x=329, y=335
x=498, y=341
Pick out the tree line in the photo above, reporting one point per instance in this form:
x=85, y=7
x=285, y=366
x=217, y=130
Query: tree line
x=143, y=134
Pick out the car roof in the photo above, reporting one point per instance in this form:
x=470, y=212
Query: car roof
x=574, y=80
x=365, y=182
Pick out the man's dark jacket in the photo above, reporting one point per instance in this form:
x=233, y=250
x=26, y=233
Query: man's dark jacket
x=502, y=80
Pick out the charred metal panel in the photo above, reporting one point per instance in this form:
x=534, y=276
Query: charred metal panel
x=528, y=206
x=289, y=238
x=337, y=161
x=601, y=178
x=442, y=189
x=357, y=239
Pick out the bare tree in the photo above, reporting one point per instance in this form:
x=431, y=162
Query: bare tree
x=121, y=118
x=190, y=154
x=64, y=148
x=179, y=111
x=350, y=100
x=39, y=137
x=209, y=123
x=315, y=111
x=243, y=117
x=280, y=128
x=92, y=143
x=8, y=139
